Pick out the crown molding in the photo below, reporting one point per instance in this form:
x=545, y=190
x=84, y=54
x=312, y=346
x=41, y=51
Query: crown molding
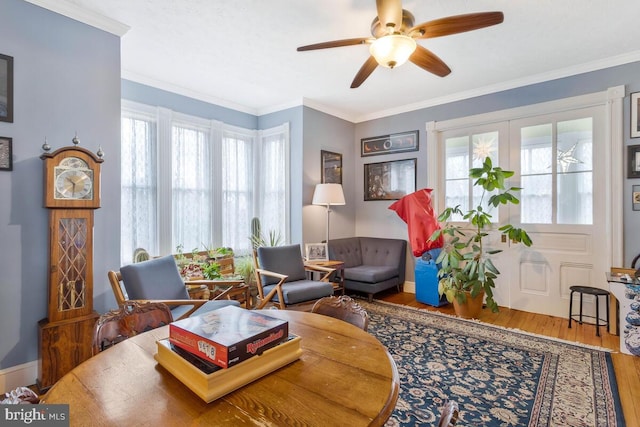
x=512, y=84
x=179, y=90
x=77, y=13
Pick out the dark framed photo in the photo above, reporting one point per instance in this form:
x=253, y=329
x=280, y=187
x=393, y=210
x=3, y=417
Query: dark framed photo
x=635, y=119
x=331, y=167
x=387, y=144
x=389, y=180
x=633, y=161
x=635, y=197
x=6, y=88
x=6, y=154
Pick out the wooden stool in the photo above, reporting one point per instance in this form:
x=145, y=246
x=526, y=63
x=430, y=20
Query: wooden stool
x=597, y=292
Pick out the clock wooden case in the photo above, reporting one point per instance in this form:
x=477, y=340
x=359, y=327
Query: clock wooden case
x=71, y=193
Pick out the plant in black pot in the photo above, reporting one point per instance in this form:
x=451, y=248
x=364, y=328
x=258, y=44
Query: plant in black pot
x=467, y=273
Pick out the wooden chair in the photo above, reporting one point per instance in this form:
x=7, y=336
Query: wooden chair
x=281, y=277
x=449, y=415
x=131, y=319
x=343, y=308
x=158, y=280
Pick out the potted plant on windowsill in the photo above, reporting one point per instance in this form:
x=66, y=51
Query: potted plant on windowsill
x=467, y=273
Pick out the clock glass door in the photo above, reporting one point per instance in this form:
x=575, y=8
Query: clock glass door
x=71, y=290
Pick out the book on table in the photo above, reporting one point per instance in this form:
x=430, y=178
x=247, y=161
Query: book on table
x=229, y=335
x=209, y=381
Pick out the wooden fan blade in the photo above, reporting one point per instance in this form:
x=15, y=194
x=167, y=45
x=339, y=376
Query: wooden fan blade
x=428, y=61
x=336, y=43
x=364, y=72
x=390, y=12
x=455, y=24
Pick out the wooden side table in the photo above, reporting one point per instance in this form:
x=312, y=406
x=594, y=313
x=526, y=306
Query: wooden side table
x=338, y=278
x=230, y=289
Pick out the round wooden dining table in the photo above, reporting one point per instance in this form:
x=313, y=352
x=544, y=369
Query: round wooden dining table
x=344, y=377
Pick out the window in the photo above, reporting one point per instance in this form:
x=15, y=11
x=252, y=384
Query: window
x=556, y=161
x=139, y=221
x=191, y=191
x=193, y=182
x=461, y=154
x=551, y=155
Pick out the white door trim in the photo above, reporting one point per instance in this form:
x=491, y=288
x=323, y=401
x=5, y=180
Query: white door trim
x=611, y=99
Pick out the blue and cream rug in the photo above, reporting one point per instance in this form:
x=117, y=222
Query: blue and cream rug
x=499, y=377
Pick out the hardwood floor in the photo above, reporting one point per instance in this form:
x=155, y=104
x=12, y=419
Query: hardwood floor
x=627, y=368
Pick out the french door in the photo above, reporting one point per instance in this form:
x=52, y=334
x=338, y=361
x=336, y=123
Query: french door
x=560, y=161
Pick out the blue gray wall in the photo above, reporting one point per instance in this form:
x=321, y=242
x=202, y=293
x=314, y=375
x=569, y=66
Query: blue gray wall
x=370, y=215
x=66, y=80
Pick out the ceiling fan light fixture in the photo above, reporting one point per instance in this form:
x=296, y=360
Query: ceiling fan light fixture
x=392, y=50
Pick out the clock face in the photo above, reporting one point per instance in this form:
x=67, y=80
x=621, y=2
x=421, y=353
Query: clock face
x=73, y=180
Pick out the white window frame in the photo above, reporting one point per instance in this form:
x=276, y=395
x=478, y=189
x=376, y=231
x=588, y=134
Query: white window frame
x=612, y=100
x=165, y=119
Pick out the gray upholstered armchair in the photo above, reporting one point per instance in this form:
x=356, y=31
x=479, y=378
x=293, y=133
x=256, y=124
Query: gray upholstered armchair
x=158, y=280
x=281, y=277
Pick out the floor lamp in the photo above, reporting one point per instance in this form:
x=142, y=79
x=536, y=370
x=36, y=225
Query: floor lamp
x=328, y=195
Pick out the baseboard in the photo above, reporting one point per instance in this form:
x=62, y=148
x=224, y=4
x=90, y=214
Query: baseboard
x=409, y=287
x=19, y=375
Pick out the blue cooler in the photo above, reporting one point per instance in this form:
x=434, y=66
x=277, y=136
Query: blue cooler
x=426, y=275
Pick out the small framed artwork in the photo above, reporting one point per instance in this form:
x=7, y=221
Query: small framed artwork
x=389, y=180
x=635, y=118
x=633, y=161
x=635, y=197
x=316, y=251
x=6, y=88
x=387, y=144
x=6, y=154
x=331, y=167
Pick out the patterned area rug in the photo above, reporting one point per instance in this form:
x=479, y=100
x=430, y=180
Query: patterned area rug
x=499, y=377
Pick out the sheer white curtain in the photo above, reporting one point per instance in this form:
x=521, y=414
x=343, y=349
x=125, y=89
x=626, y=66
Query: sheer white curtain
x=192, y=199
x=139, y=222
x=237, y=189
x=195, y=182
x=273, y=205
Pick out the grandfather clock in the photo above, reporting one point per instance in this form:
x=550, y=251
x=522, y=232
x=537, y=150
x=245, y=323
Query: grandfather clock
x=71, y=193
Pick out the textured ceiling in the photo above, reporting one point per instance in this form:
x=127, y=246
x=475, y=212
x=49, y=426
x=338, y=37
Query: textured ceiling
x=242, y=53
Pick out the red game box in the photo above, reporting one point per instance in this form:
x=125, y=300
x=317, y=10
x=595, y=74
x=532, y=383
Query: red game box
x=229, y=335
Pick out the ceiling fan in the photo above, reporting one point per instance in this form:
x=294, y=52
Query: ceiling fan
x=394, y=38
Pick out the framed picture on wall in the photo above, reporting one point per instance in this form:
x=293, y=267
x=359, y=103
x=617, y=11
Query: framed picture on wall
x=6, y=154
x=331, y=167
x=635, y=119
x=387, y=144
x=633, y=161
x=6, y=88
x=635, y=197
x=389, y=180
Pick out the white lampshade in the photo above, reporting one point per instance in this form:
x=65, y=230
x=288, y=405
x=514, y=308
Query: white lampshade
x=392, y=50
x=328, y=195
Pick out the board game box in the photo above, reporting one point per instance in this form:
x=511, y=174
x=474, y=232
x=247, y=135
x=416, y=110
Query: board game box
x=229, y=335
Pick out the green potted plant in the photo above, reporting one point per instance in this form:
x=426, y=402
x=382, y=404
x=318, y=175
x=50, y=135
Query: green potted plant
x=467, y=273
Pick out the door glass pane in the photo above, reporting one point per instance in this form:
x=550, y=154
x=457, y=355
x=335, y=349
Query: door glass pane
x=456, y=173
x=462, y=154
x=457, y=158
x=536, y=161
x=485, y=145
x=535, y=204
x=574, y=198
x=575, y=171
